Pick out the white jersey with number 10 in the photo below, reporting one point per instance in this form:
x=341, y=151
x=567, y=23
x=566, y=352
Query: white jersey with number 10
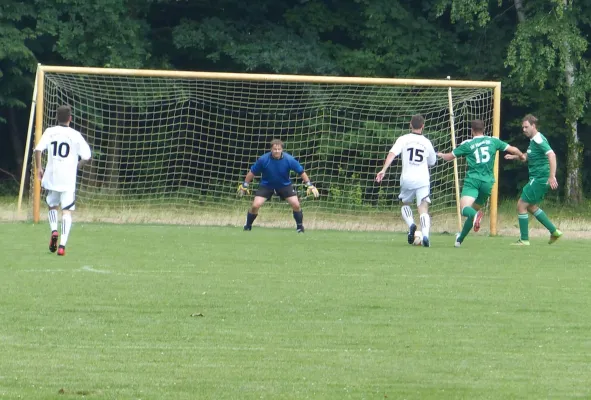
x=417, y=155
x=64, y=145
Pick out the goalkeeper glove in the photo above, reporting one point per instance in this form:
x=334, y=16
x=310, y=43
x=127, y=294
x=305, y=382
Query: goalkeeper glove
x=311, y=189
x=243, y=188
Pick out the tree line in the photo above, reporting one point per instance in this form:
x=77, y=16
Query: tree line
x=537, y=48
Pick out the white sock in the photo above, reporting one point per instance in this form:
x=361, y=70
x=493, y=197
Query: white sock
x=52, y=218
x=407, y=215
x=66, y=225
x=425, y=224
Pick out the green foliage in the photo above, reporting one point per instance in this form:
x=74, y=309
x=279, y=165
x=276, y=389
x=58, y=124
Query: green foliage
x=8, y=187
x=467, y=39
x=474, y=12
x=101, y=34
x=546, y=53
x=17, y=61
x=554, y=39
x=346, y=191
x=266, y=47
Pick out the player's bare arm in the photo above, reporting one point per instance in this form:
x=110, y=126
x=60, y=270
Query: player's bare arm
x=387, y=163
x=38, y=165
x=446, y=156
x=522, y=158
x=249, y=177
x=514, y=151
x=82, y=162
x=552, y=179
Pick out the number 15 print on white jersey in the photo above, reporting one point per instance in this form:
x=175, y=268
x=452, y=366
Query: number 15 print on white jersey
x=417, y=155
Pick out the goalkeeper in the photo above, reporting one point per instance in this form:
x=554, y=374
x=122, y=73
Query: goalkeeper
x=274, y=167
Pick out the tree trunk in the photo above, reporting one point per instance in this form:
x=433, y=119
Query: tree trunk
x=573, y=189
x=519, y=10
x=17, y=144
x=574, y=160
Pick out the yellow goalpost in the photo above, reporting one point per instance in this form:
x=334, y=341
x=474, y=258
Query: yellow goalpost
x=222, y=115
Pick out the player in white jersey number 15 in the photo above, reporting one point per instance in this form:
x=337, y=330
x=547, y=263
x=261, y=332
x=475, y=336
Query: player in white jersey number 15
x=417, y=155
x=66, y=152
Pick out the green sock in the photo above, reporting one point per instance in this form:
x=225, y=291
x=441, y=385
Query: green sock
x=470, y=213
x=544, y=220
x=523, y=228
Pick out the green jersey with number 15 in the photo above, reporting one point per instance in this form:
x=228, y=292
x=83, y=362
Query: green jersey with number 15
x=480, y=152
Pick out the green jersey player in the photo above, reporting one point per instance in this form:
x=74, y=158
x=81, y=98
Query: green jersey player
x=480, y=153
x=541, y=162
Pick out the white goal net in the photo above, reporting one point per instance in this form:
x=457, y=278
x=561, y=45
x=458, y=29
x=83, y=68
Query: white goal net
x=174, y=149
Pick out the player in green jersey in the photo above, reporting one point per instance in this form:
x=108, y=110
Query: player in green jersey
x=541, y=162
x=480, y=152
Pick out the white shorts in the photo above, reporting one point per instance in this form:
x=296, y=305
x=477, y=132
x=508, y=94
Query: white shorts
x=65, y=199
x=420, y=194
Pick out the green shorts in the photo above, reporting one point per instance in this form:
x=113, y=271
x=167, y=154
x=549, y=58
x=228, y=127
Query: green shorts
x=535, y=190
x=480, y=190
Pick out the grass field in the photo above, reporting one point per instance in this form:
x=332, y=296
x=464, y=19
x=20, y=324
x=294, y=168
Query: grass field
x=185, y=312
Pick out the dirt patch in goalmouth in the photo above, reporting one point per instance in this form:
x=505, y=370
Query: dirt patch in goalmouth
x=574, y=227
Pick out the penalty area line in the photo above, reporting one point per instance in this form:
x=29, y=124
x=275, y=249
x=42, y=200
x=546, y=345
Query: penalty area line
x=89, y=268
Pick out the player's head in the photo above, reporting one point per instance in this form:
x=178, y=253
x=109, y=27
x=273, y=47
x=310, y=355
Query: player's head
x=276, y=148
x=417, y=122
x=64, y=115
x=477, y=127
x=529, y=124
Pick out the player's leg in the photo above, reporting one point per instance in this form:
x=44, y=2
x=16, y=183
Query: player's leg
x=541, y=216
x=523, y=219
x=423, y=202
x=253, y=212
x=67, y=200
x=466, y=201
x=298, y=214
x=406, y=196
x=53, y=201
x=539, y=190
x=533, y=193
x=289, y=194
x=479, y=215
x=475, y=193
x=262, y=194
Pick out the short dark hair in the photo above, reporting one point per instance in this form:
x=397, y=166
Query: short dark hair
x=417, y=121
x=531, y=119
x=63, y=114
x=478, y=125
x=276, y=141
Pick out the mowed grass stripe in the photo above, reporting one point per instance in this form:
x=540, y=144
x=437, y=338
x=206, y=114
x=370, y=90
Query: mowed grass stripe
x=323, y=315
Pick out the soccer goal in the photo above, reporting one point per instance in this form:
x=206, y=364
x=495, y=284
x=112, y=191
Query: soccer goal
x=172, y=146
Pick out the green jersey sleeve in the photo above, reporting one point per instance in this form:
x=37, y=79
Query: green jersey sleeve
x=543, y=144
x=462, y=150
x=499, y=144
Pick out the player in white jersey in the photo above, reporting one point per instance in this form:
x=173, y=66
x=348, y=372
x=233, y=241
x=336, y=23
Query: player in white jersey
x=66, y=152
x=417, y=155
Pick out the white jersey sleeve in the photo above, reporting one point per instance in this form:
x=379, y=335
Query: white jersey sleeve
x=397, y=147
x=64, y=146
x=432, y=158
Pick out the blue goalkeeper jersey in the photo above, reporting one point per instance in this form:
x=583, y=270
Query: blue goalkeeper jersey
x=275, y=173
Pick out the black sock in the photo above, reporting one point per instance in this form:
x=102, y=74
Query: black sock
x=299, y=217
x=250, y=218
